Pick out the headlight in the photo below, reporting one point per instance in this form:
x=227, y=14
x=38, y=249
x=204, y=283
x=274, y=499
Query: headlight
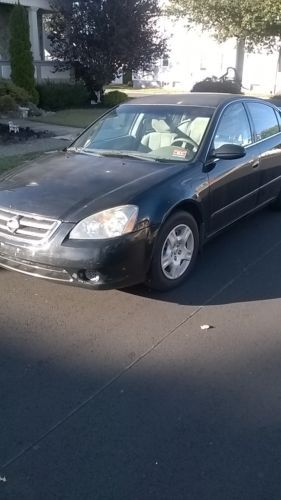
x=107, y=224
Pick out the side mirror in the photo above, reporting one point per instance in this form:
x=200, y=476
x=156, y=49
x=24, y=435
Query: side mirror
x=229, y=152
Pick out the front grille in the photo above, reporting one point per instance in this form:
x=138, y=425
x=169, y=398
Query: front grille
x=26, y=227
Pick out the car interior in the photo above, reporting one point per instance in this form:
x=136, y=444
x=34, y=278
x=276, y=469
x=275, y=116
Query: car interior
x=161, y=135
x=155, y=133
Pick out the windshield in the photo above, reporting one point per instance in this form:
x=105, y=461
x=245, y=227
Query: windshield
x=148, y=132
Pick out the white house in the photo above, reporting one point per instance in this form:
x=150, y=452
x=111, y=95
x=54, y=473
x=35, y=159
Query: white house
x=194, y=55
x=36, y=9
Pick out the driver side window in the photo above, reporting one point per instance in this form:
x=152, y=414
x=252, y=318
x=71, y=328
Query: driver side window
x=234, y=127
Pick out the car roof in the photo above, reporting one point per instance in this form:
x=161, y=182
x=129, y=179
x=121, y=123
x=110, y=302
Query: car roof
x=190, y=99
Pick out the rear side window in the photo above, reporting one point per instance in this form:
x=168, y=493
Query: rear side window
x=265, y=120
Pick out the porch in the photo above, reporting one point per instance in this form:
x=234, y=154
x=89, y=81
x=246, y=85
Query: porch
x=37, y=10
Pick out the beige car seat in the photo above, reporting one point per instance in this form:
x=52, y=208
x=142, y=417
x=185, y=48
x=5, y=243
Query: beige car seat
x=162, y=137
x=195, y=129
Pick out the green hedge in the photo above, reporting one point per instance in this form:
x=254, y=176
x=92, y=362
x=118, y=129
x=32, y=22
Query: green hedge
x=111, y=99
x=22, y=68
x=62, y=95
x=7, y=103
x=18, y=94
x=227, y=87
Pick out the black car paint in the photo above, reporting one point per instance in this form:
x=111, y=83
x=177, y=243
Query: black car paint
x=239, y=187
x=120, y=261
x=70, y=186
x=269, y=169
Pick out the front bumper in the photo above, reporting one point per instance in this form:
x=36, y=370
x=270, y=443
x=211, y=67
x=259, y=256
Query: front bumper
x=98, y=264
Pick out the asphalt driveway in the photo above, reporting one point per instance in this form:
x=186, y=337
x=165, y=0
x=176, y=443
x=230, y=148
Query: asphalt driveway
x=121, y=395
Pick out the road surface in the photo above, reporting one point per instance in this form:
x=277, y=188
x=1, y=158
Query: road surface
x=120, y=394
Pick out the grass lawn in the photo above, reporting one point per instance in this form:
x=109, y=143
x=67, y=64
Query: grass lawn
x=81, y=117
x=73, y=117
x=8, y=162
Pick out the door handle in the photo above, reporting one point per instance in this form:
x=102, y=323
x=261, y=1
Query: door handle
x=255, y=163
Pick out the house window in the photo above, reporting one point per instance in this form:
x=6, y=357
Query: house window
x=165, y=61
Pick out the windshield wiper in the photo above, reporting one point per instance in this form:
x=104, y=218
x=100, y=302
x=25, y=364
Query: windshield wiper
x=82, y=151
x=120, y=154
x=167, y=160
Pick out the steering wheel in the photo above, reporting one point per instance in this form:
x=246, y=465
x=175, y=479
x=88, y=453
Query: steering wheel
x=184, y=141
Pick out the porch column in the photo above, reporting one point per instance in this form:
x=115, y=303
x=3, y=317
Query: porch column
x=34, y=33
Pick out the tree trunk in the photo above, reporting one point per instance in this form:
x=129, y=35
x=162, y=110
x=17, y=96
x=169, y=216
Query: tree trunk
x=240, y=53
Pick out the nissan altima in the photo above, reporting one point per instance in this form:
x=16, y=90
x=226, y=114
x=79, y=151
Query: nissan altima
x=139, y=192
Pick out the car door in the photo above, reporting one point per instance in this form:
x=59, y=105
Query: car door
x=233, y=183
x=268, y=136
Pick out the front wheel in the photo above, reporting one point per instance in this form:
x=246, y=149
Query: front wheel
x=175, y=252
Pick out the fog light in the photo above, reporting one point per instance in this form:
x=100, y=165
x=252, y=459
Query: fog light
x=92, y=276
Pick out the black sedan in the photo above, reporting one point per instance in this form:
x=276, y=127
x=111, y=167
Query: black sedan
x=141, y=190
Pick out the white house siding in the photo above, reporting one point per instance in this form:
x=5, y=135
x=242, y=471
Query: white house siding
x=195, y=55
x=263, y=72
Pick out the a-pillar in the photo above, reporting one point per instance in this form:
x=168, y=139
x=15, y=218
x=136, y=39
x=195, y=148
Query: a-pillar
x=34, y=33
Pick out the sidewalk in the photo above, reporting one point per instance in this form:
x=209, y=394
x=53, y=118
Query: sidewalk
x=61, y=137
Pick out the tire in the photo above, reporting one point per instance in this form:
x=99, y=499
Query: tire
x=178, y=237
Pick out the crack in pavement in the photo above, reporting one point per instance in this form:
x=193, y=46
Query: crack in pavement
x=116, y=377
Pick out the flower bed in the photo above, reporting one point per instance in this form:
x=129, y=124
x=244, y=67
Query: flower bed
x=11, y=134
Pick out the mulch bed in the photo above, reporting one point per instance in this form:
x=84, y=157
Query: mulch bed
x=24, y=134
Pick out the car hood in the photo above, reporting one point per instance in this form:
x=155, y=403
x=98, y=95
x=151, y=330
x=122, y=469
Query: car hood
x=70, y=186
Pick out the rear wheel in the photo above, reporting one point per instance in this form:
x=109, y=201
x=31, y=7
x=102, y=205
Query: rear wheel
x=175, y=252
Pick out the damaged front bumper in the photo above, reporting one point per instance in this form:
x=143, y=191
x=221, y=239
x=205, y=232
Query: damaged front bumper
x=97, y=264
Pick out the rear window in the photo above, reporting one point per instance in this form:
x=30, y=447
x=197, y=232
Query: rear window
x=265, y=120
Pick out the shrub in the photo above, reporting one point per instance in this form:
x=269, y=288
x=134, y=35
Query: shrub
x=19, y=94
x=111, y=99
x=62, y=95
x=7, y=103
x=227, y=86
x=22, y=69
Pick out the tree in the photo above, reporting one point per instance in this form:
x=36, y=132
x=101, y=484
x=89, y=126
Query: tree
x=22, y=69
x=254, y=23
x=101, y=38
